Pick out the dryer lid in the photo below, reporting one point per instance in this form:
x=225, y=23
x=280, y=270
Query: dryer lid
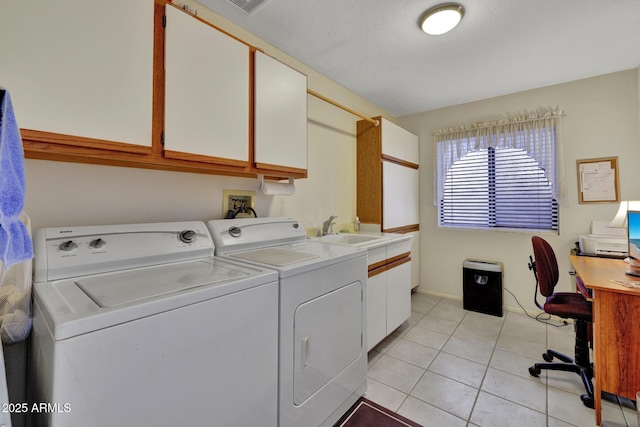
x=276, y=257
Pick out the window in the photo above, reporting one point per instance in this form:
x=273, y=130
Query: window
x=503, y=175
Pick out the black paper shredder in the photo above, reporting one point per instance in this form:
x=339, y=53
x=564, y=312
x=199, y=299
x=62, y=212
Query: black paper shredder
x=482, y=286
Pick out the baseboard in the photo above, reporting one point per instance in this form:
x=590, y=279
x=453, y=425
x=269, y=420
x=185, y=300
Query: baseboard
x=517, y=309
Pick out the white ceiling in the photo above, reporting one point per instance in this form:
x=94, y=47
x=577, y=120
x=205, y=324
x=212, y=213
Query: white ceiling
x=375, y=48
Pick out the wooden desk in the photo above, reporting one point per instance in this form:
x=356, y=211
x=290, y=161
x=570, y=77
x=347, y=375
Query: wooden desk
x=616, y=327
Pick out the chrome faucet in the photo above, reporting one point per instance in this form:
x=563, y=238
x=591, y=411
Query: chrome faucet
x=328, y=224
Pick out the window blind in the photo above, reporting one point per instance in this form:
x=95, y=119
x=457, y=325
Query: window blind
x=498, y=188
x=506, y=173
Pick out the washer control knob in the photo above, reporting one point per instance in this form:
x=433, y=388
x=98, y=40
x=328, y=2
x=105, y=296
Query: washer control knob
x=188, y=236
x=97, y=243
x=235, y=231
x=68, y=246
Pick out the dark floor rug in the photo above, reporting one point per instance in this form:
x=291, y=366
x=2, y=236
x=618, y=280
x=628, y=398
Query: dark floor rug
x=365, y=413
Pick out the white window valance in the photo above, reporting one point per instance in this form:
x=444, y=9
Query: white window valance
x=539, y=135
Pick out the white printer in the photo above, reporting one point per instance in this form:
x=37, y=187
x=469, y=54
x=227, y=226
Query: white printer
x=604, y=240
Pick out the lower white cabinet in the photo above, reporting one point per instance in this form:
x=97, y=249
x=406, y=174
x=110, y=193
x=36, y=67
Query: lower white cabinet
x=376, y=306
x=388, y=290
x=398, y=295
x=415, y=257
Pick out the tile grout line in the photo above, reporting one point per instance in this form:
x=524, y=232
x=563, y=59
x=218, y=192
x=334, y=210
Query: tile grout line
x=441, y=351
x=435, y=357
x=486, y=370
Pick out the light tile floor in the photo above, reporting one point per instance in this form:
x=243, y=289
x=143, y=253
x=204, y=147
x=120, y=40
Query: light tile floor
x=450, y=367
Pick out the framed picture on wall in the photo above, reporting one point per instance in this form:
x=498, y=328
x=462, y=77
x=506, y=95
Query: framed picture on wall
x=598, y=180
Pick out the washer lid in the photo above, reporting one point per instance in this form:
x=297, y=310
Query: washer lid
x=82, y=305
x=128, y=287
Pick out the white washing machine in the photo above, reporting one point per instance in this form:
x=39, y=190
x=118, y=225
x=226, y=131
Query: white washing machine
x=323, y=358
x=140, y=325
x=7, y=408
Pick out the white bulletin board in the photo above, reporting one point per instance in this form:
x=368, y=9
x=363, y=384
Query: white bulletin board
x=598, y=180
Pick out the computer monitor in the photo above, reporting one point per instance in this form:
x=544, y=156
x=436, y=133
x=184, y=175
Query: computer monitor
x=633, y=227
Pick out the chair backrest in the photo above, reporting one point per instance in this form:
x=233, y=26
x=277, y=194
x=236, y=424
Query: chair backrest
x=546, y=265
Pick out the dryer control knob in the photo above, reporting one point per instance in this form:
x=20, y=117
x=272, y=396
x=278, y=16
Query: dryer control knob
x=68, y=246
x=97, y=243
x=235, y=231
x=188, y=236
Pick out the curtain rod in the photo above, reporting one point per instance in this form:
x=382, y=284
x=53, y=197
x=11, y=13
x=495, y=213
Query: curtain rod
x=525, y=118
x=332, y=102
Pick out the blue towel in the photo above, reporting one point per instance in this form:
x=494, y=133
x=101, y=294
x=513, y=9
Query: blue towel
x=15, y=242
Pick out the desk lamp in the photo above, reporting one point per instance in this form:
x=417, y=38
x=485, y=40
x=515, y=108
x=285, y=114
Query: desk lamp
x=620, y=220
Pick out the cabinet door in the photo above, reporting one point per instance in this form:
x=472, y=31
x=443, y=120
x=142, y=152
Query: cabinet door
x=206, y=92
x=398, y=295
x=399, y=143
x=376, y=309
x=400, y=189
x=280, y=115
x=412, y=195
x=415, y=259
x=82, y=68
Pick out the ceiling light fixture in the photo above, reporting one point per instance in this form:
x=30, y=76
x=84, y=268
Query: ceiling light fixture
x=441, y=19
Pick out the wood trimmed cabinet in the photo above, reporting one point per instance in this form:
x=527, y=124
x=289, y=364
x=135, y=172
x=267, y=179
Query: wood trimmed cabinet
x=388, y=290
x=280, y=116
x=80, y=73
x=388, y=181
x=206, y=114
x=87, y=80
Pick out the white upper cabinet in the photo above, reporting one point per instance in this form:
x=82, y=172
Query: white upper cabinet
x=280, y=115
x=399, y=143
x=206, y=92
x=400, y=187
x=80, y=67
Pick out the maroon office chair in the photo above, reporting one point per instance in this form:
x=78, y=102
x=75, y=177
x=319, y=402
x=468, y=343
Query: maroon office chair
x=567, y=305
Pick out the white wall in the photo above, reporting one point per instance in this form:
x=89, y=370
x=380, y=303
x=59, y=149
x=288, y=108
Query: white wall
x=60, y=194
x=602, y=120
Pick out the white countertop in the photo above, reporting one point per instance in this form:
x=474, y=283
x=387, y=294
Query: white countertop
x=373, y=239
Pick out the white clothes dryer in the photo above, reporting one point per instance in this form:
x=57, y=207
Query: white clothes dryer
x=323, y=357
x=140, y=325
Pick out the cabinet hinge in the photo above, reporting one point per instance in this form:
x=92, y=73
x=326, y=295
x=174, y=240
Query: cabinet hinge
x=164, y=21
x=162, y=138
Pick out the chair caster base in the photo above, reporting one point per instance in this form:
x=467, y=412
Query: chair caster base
x=534, y=372
x=587, y=401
